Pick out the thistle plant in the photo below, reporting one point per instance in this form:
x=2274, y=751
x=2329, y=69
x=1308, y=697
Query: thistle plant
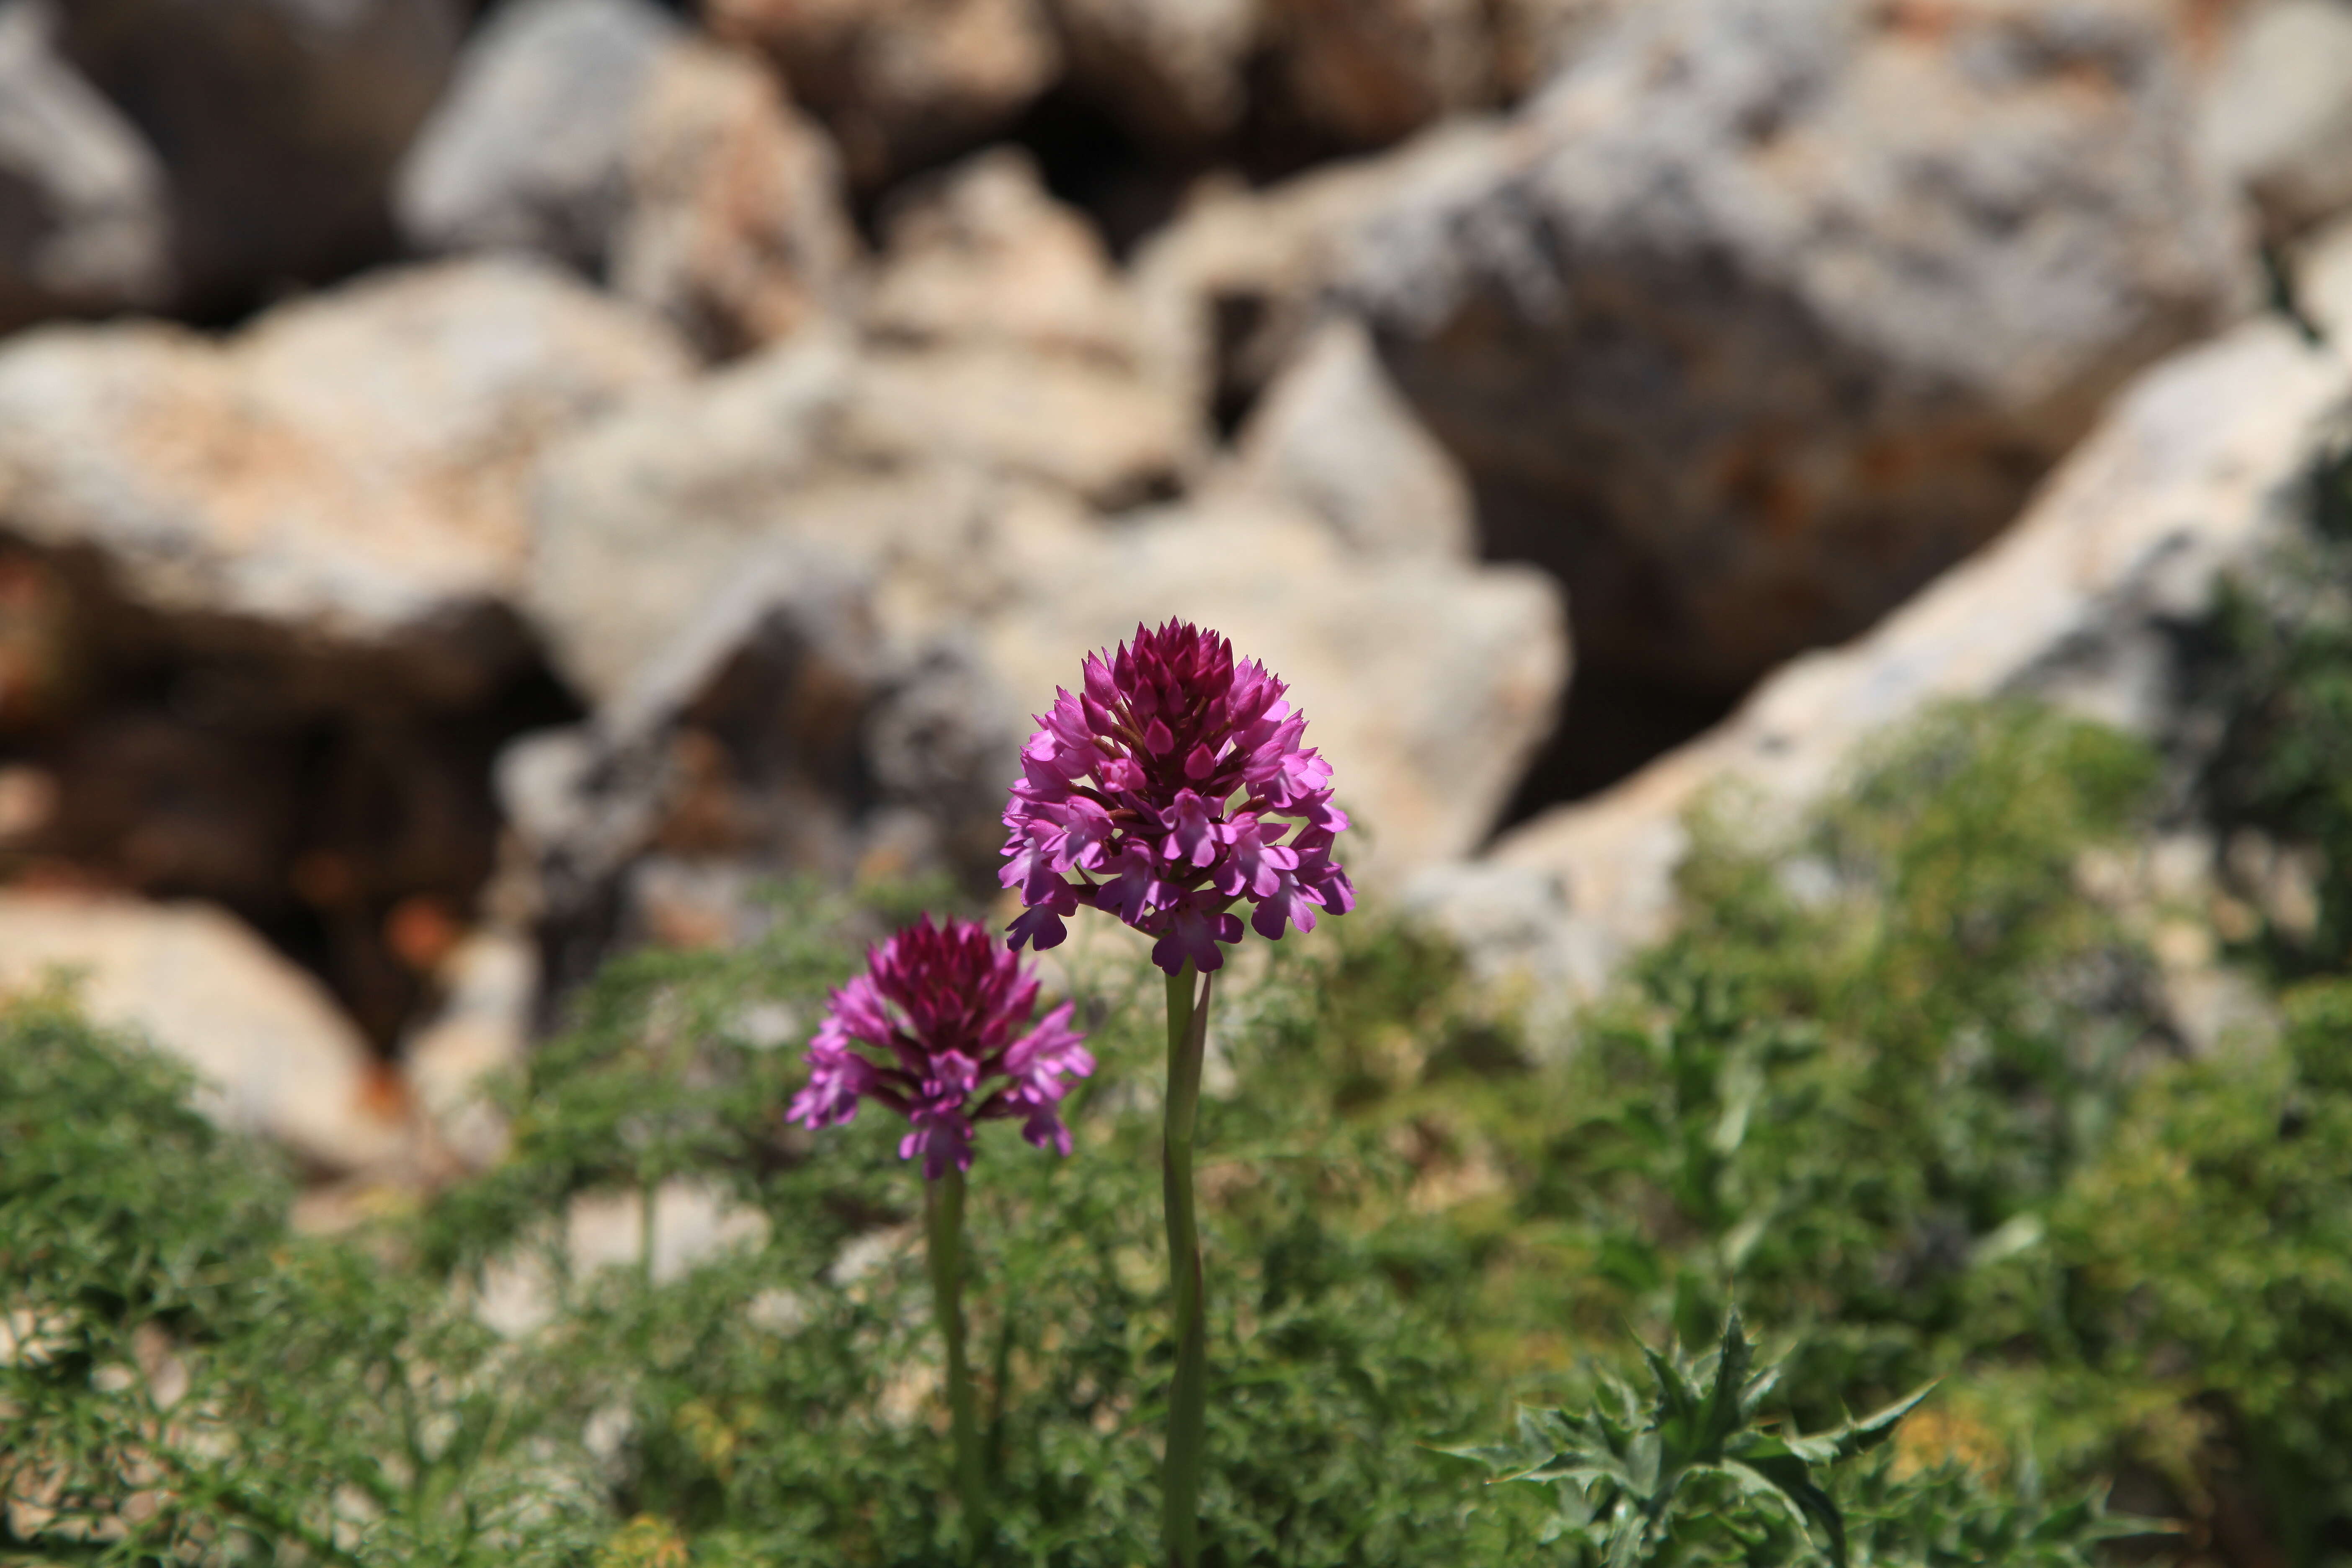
x=1173, y=786
x=937, y=1029
x=1690, y=1472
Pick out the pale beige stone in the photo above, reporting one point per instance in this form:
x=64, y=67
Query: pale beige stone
x=734, y=226
x=348, y=473
x=1333, y=437
x=2278, y=117
x=481, y=1028
x=275, y=1053
x=984, y=254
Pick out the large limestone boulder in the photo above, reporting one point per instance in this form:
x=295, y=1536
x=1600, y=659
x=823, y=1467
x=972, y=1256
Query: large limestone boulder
x=276, y=1056
x=887, y=659
x=265, y=588
x=1767, y=310
x=1104, y=433
x=737, y=229
x=280, y=123
x=2199, y=470
x=901, y=83
x=1000, y=352
x=645, y=519
x=84, y=227
x=345, y=477
x=1001, y=337
x=600, y=132
x=809, y=650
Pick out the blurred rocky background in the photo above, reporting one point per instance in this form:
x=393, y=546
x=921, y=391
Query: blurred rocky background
x=483, y=485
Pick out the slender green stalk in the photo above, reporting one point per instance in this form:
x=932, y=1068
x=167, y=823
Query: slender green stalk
x=649, y=1190
x=1188, y=1033
x=943, y=1217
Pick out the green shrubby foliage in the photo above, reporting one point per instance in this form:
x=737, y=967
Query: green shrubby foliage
x=1849, y=1088
x=2274, y=670
x=187, y=1382
x=2207, y=1254
x=774, y=1406
x=1902, y=1091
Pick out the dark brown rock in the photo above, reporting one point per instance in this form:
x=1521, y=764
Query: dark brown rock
x=83, y=223
x=279, y=121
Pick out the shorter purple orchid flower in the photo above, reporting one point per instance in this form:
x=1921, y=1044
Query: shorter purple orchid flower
x=936, y=1029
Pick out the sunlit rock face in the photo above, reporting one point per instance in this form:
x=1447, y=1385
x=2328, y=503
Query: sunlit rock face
x=2196, y=475
x=1767, y=310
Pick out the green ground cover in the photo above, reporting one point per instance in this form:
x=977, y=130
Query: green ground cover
x=1903, y=1090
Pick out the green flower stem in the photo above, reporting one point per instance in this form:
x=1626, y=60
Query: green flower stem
x=943, y=1220
x=1188, y=1033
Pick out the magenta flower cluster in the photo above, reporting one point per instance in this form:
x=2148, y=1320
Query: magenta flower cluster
x=938, y=1030
x=1173, y=786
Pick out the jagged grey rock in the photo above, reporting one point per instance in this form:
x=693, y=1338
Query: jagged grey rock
x=812, y=646
x=1768, y=310
x=84, y=222
x=527, y=149
x=829, y=703
x=2197, y=471
x=644, y=520
x=736, y=228
x=982, y=254
x=1231, y=289
x=600, y=132
x=736, y=751
x=883, y=456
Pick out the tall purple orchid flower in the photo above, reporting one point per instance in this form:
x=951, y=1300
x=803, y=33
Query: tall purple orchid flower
x=1175, y=785
x=938, y=1030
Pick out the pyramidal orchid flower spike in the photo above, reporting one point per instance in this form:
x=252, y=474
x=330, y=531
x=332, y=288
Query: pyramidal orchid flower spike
x=1173, y=786
x=938, y=1030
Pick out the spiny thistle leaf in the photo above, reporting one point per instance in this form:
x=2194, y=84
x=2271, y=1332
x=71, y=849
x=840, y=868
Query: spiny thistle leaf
x=1700, y=1467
